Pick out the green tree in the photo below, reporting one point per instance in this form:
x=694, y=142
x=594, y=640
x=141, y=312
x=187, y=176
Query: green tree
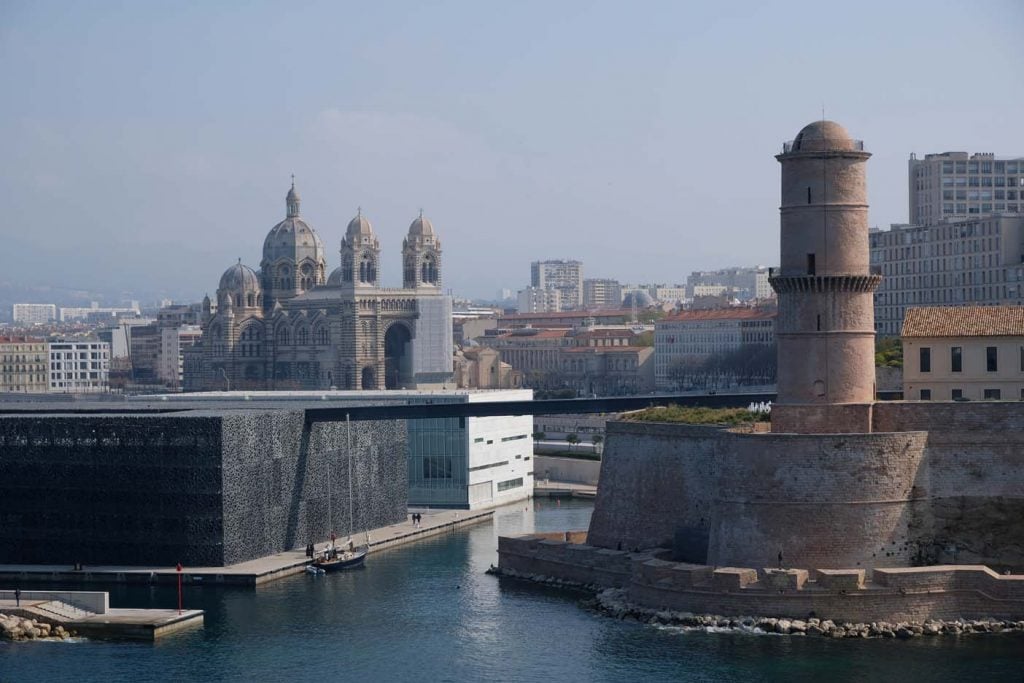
x=539, y=436
x=572, y=440
x=889, y=352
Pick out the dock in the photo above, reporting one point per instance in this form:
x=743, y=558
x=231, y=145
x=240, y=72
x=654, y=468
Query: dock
x=249, y=573
x=563, y=489
x=88, y=614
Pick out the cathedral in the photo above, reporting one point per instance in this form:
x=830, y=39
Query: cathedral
x=291, y=326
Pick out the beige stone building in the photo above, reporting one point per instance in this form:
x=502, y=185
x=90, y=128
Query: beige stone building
x=482, y=368
x=965, y=352
x=24, y=365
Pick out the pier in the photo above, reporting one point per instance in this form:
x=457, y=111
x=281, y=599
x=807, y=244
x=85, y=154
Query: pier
x=250, y=573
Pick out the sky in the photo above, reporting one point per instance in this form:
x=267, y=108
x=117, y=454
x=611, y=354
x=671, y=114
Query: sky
x=148, y=146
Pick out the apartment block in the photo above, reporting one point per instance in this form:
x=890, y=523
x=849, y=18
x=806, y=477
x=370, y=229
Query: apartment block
x=79, y=366
x=34, y=314
x=23, y=365
x=956, y=185
x=565, y=276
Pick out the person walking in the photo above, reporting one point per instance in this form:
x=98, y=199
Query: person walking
x=17, y=597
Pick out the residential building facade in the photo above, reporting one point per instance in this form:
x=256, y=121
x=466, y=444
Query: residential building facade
x=958, y=185
x=24, y=365
x=79, y=366
x=34, y=314
x=689, y=338
x=601, y=293
x=539, y=300
x=963, y=353
x=564, y=275
x=975, y=261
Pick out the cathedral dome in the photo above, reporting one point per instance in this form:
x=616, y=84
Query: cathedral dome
x=359, y=226
x=239, y=278
x=823, y=135
x=421, y=227
x=293, y=238
x=335, y=278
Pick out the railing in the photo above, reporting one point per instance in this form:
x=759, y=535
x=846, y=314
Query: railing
x=840, y=145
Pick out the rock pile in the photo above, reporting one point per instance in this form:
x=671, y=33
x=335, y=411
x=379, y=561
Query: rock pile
x=13, y=627
x=614, y=603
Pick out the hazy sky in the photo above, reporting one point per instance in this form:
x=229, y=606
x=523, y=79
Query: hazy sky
x=148, y=145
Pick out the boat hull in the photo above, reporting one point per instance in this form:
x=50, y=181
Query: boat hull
x=341, y=563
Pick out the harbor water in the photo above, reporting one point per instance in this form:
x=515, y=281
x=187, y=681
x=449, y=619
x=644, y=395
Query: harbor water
x=428, y=612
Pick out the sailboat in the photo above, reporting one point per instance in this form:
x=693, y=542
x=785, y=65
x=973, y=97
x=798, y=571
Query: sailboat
x=348, y=556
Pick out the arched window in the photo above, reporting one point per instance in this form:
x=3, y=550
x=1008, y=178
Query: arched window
x=238, y=300
x=250, y=299
x=346, y=268
x=410, y=269
x=283, y=338
x=323, y=338
x=302, y=336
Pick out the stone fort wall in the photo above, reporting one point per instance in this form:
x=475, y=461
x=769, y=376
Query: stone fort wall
x=934, y=484
x=202, y=488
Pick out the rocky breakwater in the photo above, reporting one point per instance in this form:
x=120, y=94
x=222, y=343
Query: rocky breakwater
x=614, y=602
x=14, y=627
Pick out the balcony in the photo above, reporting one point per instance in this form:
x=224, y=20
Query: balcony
x=844, y=146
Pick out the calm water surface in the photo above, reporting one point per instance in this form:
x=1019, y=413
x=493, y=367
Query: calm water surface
x=427, y=612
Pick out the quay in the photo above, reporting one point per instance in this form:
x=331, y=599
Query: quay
x=563, y=489
x=88, y=614
x=250, y=573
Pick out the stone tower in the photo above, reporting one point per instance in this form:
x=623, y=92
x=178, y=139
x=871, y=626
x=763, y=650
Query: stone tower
x=825, y=327
x=421, y=256
x=360, y=254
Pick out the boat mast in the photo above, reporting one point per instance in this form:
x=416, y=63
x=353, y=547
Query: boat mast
x=330, y=511
x=348, y=436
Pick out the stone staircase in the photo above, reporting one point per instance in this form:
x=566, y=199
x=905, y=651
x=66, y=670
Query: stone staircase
x=57, y=612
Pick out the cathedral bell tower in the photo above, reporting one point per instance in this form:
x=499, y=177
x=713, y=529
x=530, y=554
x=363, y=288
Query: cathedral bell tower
x=421, y=256
x=825, y=327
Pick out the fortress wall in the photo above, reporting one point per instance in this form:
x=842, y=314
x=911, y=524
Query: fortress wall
x=656, y=486
x=824, y=501
x=975, y=467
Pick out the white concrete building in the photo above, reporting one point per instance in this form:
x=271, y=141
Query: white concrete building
x=79, y=366
x=602, y=293
x=171, y=361
x=565, y=276
x=539, y=300
x=34, y=314
x=97, y=313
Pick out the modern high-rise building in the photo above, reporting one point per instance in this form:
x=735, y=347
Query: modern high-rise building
x=955, y=185
x=977, y=261
x=745, y=284
x=565, y=276
x=34, y=314
x=602, y=293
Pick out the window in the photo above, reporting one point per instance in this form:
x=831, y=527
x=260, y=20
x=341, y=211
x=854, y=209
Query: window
x=991, y=359
x=510, y=484
x=810, y=264
x=956, y=359
x=926, y=394
x=957, y=394
x=992, y=394
x=1022, y=359
x=926, y=359
x=437, y=467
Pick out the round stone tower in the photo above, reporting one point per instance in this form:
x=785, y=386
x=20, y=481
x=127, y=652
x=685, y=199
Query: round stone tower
x=825, y=327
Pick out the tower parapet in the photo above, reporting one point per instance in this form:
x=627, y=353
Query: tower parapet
x=825, y=328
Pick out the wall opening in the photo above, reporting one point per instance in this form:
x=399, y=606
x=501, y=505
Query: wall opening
x=811, y=268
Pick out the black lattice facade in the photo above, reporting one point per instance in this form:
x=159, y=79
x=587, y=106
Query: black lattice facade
x=209, y=488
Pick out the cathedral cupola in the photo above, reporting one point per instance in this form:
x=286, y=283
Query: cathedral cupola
x=421, y=255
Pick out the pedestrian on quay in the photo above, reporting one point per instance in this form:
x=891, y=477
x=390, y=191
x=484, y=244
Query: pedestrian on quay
x=17, y=597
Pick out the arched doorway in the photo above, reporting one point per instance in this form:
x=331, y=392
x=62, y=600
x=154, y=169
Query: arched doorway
x=397, y=357
x=369, y=381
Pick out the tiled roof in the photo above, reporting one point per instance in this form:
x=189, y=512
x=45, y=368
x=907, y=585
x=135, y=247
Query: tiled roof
x=964, y=321
x=721, y=314
x=565, y=314
x=605, y=349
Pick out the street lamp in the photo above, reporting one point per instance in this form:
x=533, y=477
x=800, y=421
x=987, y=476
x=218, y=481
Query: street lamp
x=226, y=380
